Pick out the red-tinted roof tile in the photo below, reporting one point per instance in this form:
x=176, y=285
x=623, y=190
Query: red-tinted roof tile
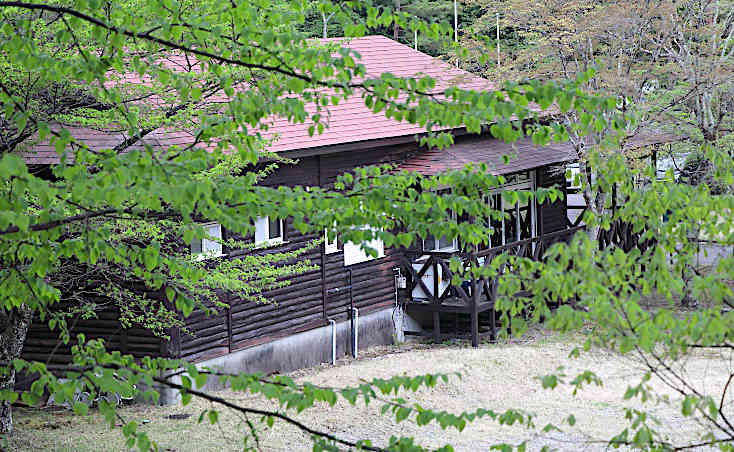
x=349, y=121
x=523, y=155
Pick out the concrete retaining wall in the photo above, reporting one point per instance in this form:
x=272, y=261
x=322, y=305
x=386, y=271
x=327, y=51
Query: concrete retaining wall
x=709, y=254
x=301, y=350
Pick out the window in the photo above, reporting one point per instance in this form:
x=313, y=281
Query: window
x=573, y=175
x=268, y=230
x=443, y=243
x=354, y=254
x=520, y=217
x=210, y=245
x=330, y=246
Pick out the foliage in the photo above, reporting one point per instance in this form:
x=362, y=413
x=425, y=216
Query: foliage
x=253, y=64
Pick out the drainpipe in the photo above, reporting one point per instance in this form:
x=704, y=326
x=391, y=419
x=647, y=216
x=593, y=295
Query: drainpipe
x=355, y=331
x=354, y=314
x=324, y=300
x=333, y=341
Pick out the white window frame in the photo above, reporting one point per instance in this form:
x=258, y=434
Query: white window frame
x=332, y=246
x=454, y=246
x=354, y=254
x=529, y=184
x=208, y=248
x=454, y=243
x=262, y=232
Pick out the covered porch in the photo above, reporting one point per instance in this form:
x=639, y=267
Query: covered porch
x=431, y=290
x=527, y=230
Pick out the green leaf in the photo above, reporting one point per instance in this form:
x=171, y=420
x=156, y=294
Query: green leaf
x=213, y=417
x=402, y=414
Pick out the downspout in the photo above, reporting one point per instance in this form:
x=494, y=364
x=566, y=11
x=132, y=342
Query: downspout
x=323, y=250
x=333, y=341
x=355, y=331
x=354, y=315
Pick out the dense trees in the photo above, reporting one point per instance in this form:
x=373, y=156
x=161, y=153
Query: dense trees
x=60, y=60
x=113, y=220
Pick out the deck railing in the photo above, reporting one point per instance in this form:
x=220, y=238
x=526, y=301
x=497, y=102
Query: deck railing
x=438, y=263
x=473, y=294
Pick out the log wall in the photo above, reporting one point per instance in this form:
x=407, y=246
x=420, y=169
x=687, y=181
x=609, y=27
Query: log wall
x=312, y=298
x=309, y=301
x=42, y=343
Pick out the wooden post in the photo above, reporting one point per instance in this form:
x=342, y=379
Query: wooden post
x=474, y=312
x=436, y=326
x=539, y=207
x=436, y=301
x=436, y=284
x=229, y=328
x=492, y=313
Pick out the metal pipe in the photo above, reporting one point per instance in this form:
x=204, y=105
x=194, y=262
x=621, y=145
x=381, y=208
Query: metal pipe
x=355, y=334
x=333, y=341
x=352, y=309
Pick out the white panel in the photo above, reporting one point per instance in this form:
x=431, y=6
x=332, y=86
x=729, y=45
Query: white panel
x=427, y=278
x=261, y=230
x=353, y=253
x=209, y=246
x=330, y=246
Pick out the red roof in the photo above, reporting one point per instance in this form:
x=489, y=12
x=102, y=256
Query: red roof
x=44, y=154
x=523, y=155
x=349, y=121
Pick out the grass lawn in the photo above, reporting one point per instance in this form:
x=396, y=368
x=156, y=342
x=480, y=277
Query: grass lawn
x=493, y=376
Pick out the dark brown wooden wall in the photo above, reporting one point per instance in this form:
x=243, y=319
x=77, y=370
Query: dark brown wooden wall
x=42, y=344
x=304, y=304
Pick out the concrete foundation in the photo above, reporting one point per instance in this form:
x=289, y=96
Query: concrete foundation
x=300, y=350
x=710, y=253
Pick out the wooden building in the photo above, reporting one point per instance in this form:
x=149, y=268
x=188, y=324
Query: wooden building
x=347, y=278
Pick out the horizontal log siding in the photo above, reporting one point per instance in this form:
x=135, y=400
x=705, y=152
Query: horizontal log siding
x=372, y=282
x=293, y=308
x=249, y=319
x=43, y=344
x=300, y=305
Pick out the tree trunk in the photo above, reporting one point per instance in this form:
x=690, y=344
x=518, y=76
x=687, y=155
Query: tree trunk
x=395, y=27
x=13, y=328
x=594, y=201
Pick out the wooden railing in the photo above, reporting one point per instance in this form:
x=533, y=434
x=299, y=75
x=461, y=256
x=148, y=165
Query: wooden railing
x=622, y=235
x=472, y=295
x=439, y=263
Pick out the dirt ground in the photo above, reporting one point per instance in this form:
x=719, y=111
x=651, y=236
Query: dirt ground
x=493, y=376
